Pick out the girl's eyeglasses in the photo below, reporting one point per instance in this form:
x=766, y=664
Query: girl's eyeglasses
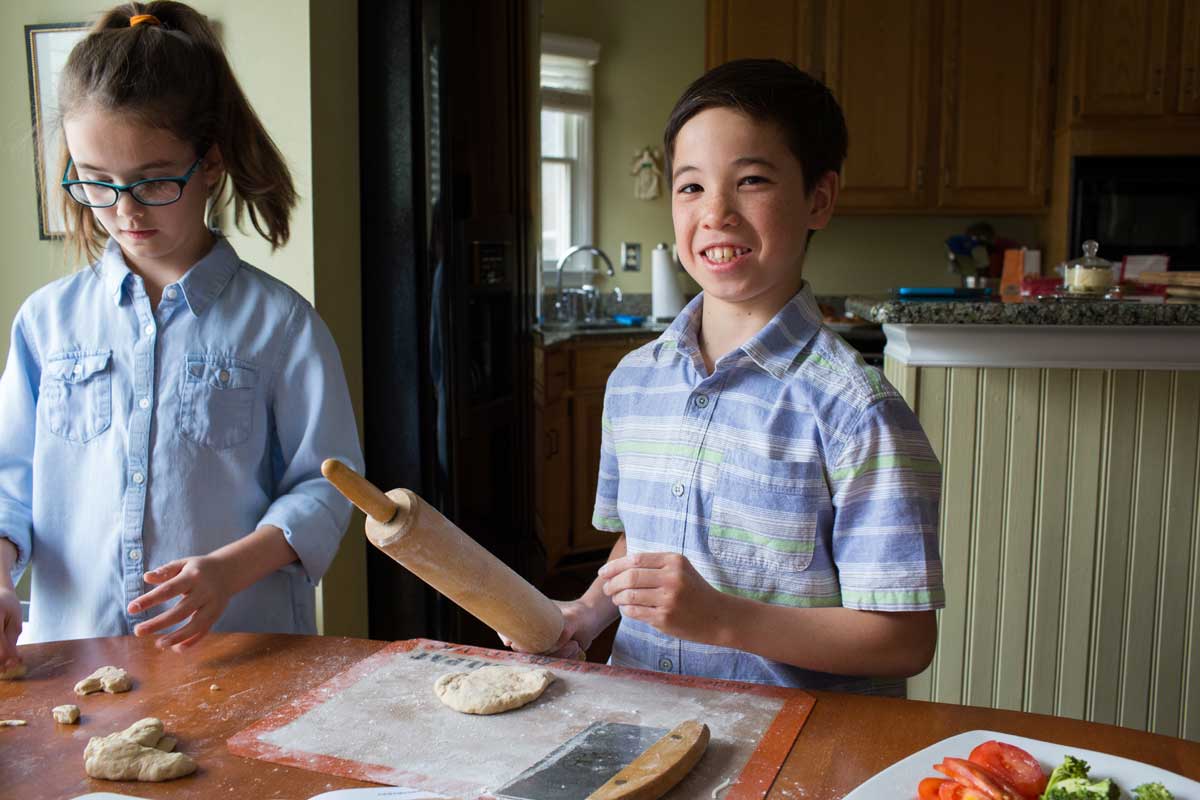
x=148, y=192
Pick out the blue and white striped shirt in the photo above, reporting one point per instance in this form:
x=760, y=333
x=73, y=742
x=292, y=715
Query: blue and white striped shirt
x=794, y=475
x=131, y=436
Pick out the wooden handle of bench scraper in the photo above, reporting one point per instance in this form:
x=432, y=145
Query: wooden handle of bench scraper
x=432, y=547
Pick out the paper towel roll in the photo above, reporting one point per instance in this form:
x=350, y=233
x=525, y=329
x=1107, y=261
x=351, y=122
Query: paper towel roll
x=666, y=298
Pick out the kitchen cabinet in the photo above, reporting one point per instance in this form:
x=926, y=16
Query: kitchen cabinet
x=569, y=381
x=1120, y=52
x=995, y=104
x=877, y=63
x=964, y=126
x=1189, y=73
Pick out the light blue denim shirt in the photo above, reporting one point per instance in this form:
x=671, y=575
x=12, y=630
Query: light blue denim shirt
x=130, y=437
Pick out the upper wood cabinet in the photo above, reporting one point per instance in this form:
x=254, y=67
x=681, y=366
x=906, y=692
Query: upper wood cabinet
x=877, y=62
x=948, y=102
x=1189, y=71
x=995, y=104
x=1121, y=57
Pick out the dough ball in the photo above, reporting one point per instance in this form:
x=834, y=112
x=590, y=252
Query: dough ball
x=108, y=679
x=12, y=723
x=492, y=689
x=137, y=753
x=65, y=715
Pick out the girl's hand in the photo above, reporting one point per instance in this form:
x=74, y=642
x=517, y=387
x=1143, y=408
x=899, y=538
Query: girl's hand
x=10, y=628
x=666, y=591
x=204, y=585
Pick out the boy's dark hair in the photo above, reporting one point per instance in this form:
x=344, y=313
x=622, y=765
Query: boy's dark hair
x=773, y=91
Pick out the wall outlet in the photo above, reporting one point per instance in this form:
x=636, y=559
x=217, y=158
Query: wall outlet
x=631, y=256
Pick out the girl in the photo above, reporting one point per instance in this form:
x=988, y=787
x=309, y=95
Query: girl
x=170, y=405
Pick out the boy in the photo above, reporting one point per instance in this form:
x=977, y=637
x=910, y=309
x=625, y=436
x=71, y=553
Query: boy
x=777, y=499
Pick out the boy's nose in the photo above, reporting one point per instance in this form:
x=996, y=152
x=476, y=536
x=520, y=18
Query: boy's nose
x=719, y=212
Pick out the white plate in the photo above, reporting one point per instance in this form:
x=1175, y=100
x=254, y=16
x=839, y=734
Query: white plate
x=900, y=779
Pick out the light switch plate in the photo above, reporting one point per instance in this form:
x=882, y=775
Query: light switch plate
x=631, y=256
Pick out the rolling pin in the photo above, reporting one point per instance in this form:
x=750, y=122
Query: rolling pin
x=432, y=547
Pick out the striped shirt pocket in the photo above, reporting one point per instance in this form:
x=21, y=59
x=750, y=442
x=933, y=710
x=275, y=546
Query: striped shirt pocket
x=766, y=512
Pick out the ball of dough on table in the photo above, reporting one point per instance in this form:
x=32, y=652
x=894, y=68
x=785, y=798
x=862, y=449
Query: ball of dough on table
x=492, y=689
x=108, y=679
x=138, y=753
x=66, y=715
x=12, y=673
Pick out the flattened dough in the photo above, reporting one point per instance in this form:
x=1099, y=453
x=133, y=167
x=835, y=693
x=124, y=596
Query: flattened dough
x=492, y=689
x=138, y=753
x=108, y=679
x=65, y=715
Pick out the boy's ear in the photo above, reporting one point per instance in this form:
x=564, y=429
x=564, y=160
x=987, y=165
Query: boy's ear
x=822, y=200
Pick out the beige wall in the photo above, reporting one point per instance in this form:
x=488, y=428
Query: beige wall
x=313, y=119
x=649, y=53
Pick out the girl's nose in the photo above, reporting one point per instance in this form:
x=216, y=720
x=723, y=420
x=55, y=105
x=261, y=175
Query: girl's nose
x=128, y=207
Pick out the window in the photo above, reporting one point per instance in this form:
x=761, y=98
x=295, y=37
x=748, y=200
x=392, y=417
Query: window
x=566, y=147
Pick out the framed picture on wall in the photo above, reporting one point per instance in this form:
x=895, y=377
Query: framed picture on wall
x=46, y=50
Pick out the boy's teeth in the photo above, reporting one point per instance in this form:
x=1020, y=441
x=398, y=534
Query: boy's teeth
x=720, y=254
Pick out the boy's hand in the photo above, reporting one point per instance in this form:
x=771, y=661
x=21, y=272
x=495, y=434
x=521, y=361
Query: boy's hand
x=576, y=637
x=10, y=628
x=666, y=591
x=204, y=585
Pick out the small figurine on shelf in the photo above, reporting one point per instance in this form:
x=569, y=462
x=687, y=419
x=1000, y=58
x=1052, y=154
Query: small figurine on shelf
x=647, y=172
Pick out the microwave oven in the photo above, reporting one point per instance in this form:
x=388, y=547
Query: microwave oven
x=1137, y=205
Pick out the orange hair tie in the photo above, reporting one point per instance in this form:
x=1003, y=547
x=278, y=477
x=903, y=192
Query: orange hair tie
x=138, y=19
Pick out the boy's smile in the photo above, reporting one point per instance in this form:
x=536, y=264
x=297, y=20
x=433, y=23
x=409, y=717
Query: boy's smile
x=740, y=210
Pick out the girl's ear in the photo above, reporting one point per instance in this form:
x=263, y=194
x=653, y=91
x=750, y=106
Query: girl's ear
x=213, y=167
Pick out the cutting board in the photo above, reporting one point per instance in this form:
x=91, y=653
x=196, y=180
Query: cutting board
x=380, y=721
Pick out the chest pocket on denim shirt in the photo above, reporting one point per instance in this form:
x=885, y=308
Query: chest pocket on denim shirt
x=76, y=391
x=767, y=512
x=217, y=407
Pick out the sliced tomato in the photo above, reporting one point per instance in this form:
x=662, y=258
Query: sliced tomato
x=979, y=778
x=953, y=790
x=927, y=789
x=1013, y=764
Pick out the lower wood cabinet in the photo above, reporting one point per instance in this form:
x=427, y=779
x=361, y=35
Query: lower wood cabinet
x=569, y=381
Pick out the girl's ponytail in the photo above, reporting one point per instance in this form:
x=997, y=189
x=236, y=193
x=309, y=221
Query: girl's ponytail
x=171, y=72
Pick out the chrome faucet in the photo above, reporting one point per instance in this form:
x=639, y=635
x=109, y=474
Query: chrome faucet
x=560, y=305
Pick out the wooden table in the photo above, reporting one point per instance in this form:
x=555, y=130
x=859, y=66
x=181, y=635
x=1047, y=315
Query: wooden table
x=847, y=738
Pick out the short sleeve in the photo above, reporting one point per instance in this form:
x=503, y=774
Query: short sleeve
x=886, y=487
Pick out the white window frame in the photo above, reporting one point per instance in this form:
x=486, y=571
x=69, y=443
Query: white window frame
x=583, y=166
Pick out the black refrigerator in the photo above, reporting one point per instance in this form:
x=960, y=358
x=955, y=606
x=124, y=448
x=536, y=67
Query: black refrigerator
x=447, y=298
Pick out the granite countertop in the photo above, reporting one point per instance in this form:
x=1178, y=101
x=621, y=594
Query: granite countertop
x=551, y=336
x=888, y=310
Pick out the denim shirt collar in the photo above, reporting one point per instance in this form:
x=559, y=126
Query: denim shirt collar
x=200, y=285
x=775, y=348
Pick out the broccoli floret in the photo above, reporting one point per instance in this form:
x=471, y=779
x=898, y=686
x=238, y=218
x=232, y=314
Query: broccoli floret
x=1152, y=791
x=1071, y=767
x=1082, y=789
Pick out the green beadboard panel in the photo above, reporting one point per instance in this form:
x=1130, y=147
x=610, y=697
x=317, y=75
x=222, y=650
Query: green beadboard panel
x=1141, y=599
x=1168, y=702
x=1049, y=539
x=1083, y=497
x=958, y=483
x=1121, y=444
x=931, y=400
x=988, y=511
x=1021, y=478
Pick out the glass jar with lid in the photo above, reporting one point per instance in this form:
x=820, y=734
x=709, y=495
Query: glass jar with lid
x=1089, y=274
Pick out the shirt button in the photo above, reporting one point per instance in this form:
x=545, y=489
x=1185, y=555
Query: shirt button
x=223, y=376
x=677, y=490
x=144, y=402
x=171, y=293
x=702, y=401
x=135, y=555
x=139, y=478
x=149, y=330
x=665, y=664
x=78, y=370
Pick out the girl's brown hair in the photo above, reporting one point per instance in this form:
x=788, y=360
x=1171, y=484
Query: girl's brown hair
x=175, y=76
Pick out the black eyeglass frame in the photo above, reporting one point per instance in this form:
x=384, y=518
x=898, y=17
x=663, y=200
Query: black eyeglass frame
x=180, y=181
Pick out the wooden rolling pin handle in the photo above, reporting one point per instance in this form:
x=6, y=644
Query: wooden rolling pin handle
x=360, y=491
